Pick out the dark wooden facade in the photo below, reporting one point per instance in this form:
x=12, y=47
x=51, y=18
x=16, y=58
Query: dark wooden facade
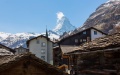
x=77, y=39
x=57, y=54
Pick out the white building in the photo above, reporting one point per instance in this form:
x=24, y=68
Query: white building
x=42, y=47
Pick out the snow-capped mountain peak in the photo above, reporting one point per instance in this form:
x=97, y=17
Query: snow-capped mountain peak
x=63, y=24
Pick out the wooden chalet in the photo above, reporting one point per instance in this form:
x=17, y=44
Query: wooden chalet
x=4, y=50
x=102, y=56
x=85, y=35
x=26, y=64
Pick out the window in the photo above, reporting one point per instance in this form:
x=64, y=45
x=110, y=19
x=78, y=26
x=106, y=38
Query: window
x=84, y=40
x=43, y=57
x=43, y=44
x=80, y=40
x=84, y=32
x=76, y=40
x=42, y=51
x=95, y=32
x=37, y=41
x=88, y=39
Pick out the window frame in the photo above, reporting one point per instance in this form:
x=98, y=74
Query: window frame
x=43, y=44
x=76, y=40
x=43, y=57
x=42, y=51
x=95, y=32
x=84, y=32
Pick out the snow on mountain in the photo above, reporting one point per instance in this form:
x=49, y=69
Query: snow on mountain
x=63, y=24
x=19, y=39
x=16, y=40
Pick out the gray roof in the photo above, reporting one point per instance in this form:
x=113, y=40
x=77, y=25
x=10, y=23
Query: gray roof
x=68, y=48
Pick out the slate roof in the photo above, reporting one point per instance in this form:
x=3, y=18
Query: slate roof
x=6, y=61
x=68, y=48
x=6, y=50
x=109, y=41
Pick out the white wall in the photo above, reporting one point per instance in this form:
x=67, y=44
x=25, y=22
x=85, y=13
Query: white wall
x=37, y=48
x=50, y=52
x=99, y=34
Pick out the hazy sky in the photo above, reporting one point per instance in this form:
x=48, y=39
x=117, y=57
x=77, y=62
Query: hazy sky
x=33, y=15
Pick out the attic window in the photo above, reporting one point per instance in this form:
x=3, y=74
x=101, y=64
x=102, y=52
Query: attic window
x=95, y=32
x=84, y=32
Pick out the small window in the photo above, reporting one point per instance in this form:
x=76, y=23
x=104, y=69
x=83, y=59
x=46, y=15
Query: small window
x=80, y=40
x=42, y=51
x=43, y=44
x=84, y=32
x=76, y=40
x=37, y=41
x=95, y=32
x=43, y=57
x=84, y=40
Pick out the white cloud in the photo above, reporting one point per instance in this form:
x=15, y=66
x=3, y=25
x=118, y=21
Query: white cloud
x=60, y=15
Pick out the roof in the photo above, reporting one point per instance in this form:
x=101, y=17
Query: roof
x=67, y=48
x=7, y=61
x=109, y=41
x=81, y=32
x=9, y=49
x=20, y=48
x=28, y=41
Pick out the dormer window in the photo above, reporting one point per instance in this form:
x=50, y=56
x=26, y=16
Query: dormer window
x=84, y=32
x=95, y=32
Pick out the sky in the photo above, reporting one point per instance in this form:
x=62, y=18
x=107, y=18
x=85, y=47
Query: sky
x=18, y=16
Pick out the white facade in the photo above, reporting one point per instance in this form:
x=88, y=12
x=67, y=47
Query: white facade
x=96, y=34
x=42, y=48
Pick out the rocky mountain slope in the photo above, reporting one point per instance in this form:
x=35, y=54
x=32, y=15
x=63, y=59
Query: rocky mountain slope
x=106, y=17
